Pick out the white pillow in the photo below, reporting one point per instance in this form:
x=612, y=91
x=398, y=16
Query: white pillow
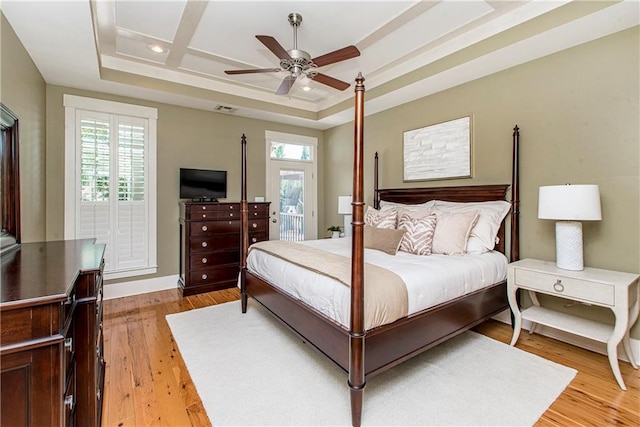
x=490, y=217
x=384, y=205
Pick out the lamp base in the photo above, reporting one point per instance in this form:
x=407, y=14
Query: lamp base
x=569, y=254
x=347, y=226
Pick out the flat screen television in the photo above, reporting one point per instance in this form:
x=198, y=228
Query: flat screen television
x=203, y=184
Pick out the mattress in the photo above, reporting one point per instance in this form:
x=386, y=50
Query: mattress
x=430, y=280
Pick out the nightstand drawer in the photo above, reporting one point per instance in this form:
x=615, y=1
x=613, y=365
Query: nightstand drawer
x=580, y=290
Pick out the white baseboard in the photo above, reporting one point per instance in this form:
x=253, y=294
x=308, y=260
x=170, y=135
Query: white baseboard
x=582, y=342
x=137, y=287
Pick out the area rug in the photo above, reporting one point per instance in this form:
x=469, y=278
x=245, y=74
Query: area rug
x=251, y=370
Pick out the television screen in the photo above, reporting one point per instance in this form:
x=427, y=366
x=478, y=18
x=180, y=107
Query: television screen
x=203, y=184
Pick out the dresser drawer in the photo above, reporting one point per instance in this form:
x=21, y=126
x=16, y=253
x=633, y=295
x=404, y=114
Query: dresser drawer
x=576, y=289
x=257, y=225
x=208, y=260
x=214, y=227
x=258, y=210
x=208, y=243
x=218, y=274
x=257, y=237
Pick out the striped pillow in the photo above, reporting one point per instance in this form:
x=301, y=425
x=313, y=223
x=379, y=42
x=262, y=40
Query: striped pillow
x=380, y=219
x=418, y=236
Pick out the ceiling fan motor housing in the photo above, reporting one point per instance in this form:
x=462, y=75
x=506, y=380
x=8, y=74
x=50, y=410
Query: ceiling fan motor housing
x=299, y=63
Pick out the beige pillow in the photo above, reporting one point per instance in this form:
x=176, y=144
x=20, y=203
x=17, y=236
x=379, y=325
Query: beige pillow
x=452, y=232
x=419, y=232
x=380, y=219
x=383, y=239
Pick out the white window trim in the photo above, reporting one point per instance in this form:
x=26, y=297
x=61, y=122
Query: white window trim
x=289, y=138
x=73, y=103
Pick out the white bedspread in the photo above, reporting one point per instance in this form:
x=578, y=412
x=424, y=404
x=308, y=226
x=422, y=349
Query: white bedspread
x=430, y=280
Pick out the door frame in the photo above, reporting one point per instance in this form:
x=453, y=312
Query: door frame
x=272, y=136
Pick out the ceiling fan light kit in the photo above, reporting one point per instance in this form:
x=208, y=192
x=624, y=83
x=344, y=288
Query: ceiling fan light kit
x=299, y=63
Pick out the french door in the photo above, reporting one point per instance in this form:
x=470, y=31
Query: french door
x=291, y=186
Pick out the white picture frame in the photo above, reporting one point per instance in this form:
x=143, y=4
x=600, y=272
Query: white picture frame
x=438, y=151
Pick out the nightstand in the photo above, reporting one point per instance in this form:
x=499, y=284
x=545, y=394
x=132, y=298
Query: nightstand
x=614, y=290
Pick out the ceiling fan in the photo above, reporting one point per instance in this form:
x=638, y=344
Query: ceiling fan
x=299, y=63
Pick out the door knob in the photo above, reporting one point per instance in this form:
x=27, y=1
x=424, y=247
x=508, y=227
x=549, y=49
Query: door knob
x=274, y=220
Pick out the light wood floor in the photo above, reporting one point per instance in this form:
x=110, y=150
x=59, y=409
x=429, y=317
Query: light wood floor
x=147, y=384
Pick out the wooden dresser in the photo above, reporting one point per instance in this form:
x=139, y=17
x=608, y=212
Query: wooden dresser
x=51, y=358
x=210, y=243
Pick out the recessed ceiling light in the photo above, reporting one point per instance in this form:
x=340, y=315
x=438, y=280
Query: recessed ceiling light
x=156, y=48
x=306, y=88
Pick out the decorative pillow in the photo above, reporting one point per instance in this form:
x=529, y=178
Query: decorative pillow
x=384, y=205
x=490, y=217
x=419, y=233
x=475, y=245
x=383, y=239
x=452, y=232
x=380, y=219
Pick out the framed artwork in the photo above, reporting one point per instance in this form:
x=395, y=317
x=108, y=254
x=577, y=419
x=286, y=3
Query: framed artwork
x=439, y=151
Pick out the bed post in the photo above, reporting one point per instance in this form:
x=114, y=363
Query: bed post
x=244, y=224
x=376, y=194
x=514, y=252
x=356, y=329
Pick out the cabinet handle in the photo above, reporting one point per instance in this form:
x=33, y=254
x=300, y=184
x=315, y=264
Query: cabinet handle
x=255, y=213
x=254, y=225
x=204, y=277
x=558, y=286
x=204, y=244
x=204, y=228
x=99, y=394
x=204, y=260
x=204, y=208
x=68, y=345
x=204, y=215
x=254, y=240
x=68, y=402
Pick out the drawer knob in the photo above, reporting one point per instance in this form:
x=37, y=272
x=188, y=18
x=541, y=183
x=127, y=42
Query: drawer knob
x=204, y=208
x=204, y=228
x=204, y=244
x=254, y=225
x=204, y=215
x=558, y=286
x=68, y=345
x=253, y=240
x=255, y=213
x=204, y=277
x=231, y=214
x=204, y=260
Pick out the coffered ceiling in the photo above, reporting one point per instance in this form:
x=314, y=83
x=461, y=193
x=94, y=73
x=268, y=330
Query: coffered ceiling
x=409, y=49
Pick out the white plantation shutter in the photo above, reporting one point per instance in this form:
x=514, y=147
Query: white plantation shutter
x=112, y=196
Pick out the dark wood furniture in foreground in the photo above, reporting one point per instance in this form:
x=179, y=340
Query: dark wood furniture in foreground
x=361, y=353
x=210, y=243
x=51, y=353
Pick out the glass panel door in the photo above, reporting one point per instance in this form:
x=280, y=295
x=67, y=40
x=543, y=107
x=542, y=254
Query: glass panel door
x=290, y=209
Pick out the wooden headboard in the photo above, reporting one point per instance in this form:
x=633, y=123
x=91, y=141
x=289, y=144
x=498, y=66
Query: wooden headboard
x=469, y=193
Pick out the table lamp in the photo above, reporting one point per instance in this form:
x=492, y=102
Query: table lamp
x=568, y=205
x=344, y=208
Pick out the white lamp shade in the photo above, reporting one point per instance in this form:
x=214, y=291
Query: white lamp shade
x=569, y=202
x=344, y=205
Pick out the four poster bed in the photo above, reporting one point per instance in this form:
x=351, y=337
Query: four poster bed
x=363, y=350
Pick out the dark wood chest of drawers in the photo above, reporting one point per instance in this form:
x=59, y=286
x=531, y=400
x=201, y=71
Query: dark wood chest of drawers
x=210, y=243
x=51, y=349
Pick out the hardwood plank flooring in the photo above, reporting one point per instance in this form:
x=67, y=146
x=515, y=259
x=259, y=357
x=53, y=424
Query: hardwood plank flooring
x=147, y=383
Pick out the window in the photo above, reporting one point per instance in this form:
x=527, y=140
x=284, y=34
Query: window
x=110, y=190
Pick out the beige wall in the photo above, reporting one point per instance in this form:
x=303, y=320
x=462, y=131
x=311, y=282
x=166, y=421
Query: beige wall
x=579, y=119
x=22, y=90
x=186, y=138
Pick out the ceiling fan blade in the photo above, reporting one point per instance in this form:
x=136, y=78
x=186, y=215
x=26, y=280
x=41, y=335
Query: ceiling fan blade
x=336, y=56
x=285, y=86
x=330, y=81
x=275, y=47
x=253, y=70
